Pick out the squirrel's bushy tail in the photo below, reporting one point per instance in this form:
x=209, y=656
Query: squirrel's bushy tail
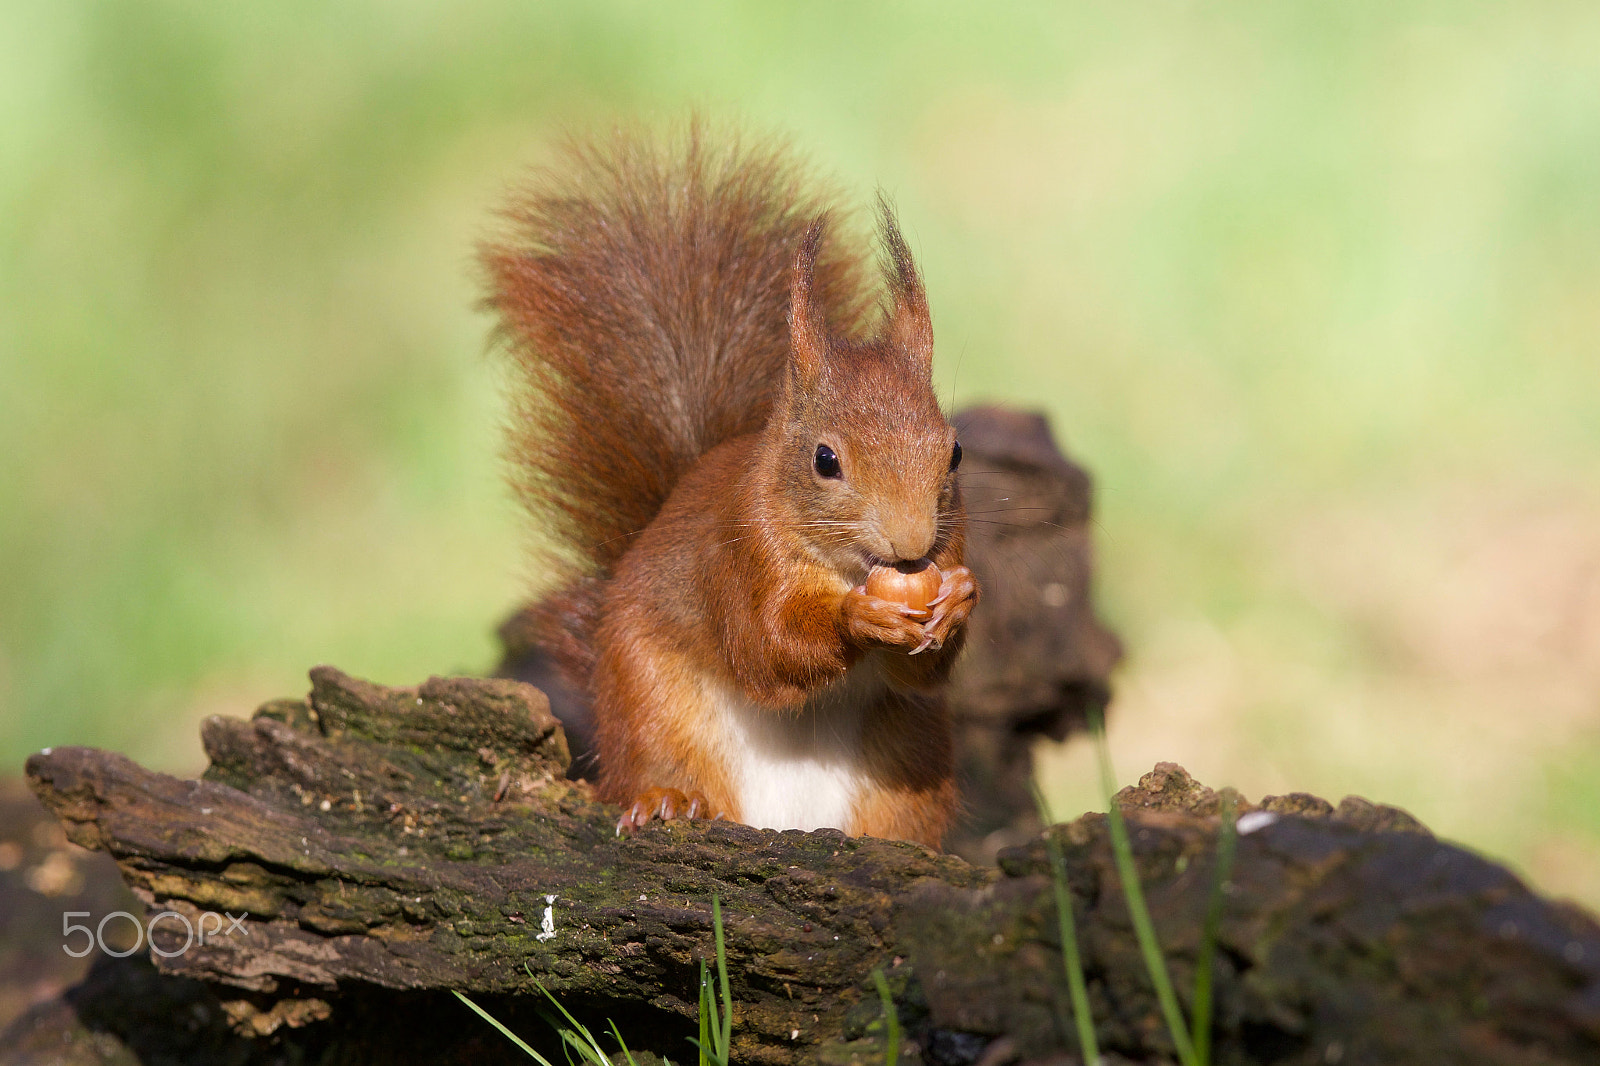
x=642, y=293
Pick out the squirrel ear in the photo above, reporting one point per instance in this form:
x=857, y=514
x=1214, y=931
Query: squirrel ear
x=808, y=325
x=909, y=327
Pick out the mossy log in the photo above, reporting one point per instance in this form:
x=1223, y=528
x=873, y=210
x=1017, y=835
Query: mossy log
x=391, y=845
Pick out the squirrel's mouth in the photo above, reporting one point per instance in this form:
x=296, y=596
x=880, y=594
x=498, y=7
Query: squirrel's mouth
x=905, y=566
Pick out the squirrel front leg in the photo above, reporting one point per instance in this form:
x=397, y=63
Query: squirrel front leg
x=865, y=621
x=810, y=637
x=861, y=622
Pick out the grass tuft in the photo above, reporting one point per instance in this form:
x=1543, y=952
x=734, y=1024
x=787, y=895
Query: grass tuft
x=576, y=1039
x=716, y=1022
x=505, y=1032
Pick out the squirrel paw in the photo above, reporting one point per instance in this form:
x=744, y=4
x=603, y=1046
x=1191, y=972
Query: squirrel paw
x=868, y=622
x=664, y=803
x=958, y=595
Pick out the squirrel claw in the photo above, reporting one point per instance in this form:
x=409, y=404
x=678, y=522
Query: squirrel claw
x=950, y=607
x=931, y=639
x=665, y=804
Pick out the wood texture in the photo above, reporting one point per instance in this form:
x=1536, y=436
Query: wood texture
x=390, y=845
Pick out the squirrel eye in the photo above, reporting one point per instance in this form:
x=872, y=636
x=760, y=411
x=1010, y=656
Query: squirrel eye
x=955, y=456
x=826, y=463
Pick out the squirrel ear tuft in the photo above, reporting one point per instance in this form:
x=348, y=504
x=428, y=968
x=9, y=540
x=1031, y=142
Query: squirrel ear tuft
x=808, y=323
x=909, y=327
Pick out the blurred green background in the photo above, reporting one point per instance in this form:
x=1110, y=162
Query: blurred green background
x=1313, y=289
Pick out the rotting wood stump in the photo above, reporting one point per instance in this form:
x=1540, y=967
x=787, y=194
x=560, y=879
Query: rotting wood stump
x=390, y=845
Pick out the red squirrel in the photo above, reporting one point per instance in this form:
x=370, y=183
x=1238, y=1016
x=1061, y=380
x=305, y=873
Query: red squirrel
x=719, y=450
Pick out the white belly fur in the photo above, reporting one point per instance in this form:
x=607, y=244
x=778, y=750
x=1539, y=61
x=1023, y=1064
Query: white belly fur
x=799, y=769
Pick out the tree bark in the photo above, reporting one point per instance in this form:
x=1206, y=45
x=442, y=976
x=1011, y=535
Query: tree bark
x=387, y=846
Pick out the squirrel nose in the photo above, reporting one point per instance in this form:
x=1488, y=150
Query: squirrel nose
x=911, y=540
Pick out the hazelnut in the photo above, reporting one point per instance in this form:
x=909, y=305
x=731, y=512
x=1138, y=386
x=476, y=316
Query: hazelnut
x=912, y=584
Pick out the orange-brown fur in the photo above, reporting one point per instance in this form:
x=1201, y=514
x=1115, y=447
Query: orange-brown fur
x=686, y=342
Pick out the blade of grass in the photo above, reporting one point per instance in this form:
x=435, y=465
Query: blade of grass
x=710, y=1027
x=578, y=1037
x=722, y=977
x=1088, y=1046
x=579, y=1040
x=569, y=1041
x=588, y=1047
x=891, y=1020
x=1222, y=867
x=507, y=1033
x=626, y=1053
x=1133, y=892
